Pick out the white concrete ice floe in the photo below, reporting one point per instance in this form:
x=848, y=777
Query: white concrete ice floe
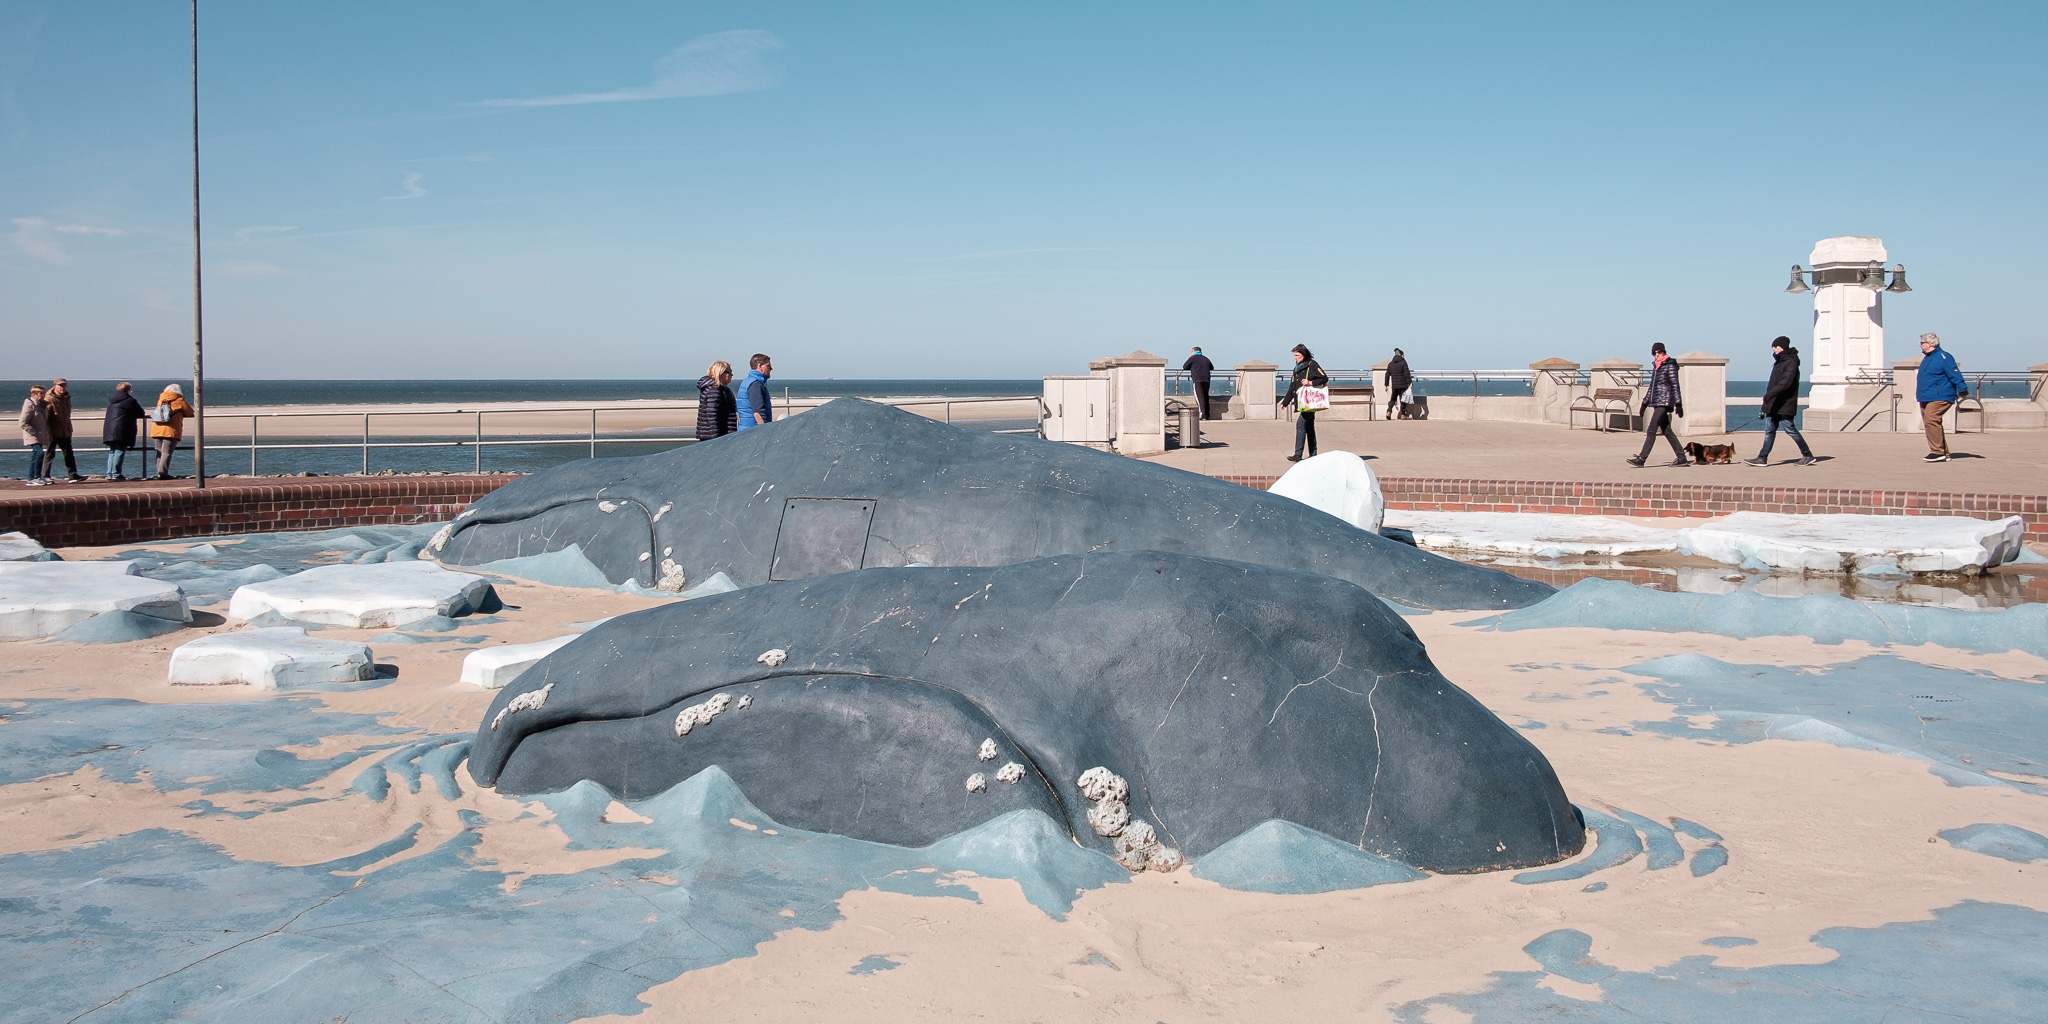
x=275, y=658
x=1537, y=534
x=1857, y=543
x=493, y=667
x=39, y=599
x=373, y=596
x=16, y=546
x=1339, y=483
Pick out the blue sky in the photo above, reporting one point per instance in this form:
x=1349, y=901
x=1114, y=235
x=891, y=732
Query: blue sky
x=1001, y=190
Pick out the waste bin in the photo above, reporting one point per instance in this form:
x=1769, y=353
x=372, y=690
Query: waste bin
x=1190, y=426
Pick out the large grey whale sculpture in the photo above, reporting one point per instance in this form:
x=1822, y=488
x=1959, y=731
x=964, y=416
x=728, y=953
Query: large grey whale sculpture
x=855, y=484
x=1224, y=694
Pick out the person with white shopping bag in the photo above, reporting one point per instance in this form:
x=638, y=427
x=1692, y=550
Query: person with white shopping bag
x=1308, y=391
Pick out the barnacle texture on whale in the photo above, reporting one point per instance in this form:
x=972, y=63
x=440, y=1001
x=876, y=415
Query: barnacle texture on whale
x=1195, y=696
x=853, y=484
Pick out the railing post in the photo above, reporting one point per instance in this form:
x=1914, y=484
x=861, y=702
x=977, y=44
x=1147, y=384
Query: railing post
x=366, y=444
x=949, y=413
x=479, y=440
x=253, y=420
x=593, y=433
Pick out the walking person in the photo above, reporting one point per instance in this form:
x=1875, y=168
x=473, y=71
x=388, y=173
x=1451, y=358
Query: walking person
x=1399, y=380
x=59, y=399
x=1781, y=404
x=1306, y=372
x=118, y=433
x=1661, y=402
x=1939, y=384
x=752, y=405
x=1199, y=369
x=717, y=414
x=167, y=427
x=35, y=433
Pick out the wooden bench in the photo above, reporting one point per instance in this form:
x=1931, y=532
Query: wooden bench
x=1602, y=404
x=1351, y=396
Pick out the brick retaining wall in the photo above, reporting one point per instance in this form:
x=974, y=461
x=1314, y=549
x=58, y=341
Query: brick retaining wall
x=126, y=517
x=1443, y=494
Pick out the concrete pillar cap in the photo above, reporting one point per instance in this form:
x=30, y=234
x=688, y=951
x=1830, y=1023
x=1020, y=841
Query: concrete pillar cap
x=1908, y=364
x=1137, y=358
x=2038, y=368
x=1256, y=364
x=1553, y=363
x=1697, y=358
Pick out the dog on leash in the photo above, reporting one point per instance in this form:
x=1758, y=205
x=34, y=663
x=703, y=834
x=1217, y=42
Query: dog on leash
x=1711, y=454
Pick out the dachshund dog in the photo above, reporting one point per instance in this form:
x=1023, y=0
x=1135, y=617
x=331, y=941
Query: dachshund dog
x=1711, y=454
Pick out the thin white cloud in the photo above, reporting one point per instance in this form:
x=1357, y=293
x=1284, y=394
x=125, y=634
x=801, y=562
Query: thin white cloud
x=33, y=236
x=412, y=188
x=89, y=230
x=251, y=268
x=249, y=233
x=709, y=65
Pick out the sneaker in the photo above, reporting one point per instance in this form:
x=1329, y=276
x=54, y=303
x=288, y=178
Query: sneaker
x=1636, y=461
x=1756, y=462
x=1934, y=457
x=1679, y=462
x=38, y=483
x=1804, y=460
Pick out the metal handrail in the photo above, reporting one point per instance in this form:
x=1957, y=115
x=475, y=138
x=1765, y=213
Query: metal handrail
x=479, y=442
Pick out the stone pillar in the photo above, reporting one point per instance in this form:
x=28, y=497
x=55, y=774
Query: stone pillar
x=1255, y=389
x=1137, y=402
x=1906, y=390
x=1703, y=387
x=1848, y=319
x=1619, y=373
x=2038, y=387
x=1553, y=397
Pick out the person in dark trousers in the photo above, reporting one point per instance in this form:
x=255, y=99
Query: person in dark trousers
x=1199, y=369
x=60, y=432
x=118, y=433
x=752, y=405
x=1781, y=404
x=717, y=414
x=1306, y=371
x=1938, y=386
x=1399, y=380
x=35, y=433
x=1661, y=403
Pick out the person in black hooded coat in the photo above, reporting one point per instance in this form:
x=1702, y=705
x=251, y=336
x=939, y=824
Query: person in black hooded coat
x=717, y=414
x=118, y=433
x=1781, y=404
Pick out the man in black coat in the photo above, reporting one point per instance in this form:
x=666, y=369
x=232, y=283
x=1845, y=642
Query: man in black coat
x=1199, y=368
x=118, y=433
x=1781, y=404
x=1399, y=380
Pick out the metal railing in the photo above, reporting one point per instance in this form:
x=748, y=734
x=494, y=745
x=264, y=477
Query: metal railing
x=476, y=438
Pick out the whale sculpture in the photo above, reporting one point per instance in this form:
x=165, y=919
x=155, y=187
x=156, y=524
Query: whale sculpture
x=1157, y=704
x=855, y=484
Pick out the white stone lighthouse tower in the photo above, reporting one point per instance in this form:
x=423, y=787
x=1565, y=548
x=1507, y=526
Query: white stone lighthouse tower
x=1848, y=316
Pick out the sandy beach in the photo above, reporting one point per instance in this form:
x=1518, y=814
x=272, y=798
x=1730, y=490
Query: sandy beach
x=1818, y=836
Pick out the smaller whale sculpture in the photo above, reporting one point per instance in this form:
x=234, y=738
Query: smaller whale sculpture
x=1156, y=704
x=854, y=484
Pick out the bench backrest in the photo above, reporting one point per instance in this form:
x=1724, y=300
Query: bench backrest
x=1619, y=394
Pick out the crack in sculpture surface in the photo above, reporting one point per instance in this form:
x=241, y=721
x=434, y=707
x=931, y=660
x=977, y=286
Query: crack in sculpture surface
x=936, y=495
x=1062, y=665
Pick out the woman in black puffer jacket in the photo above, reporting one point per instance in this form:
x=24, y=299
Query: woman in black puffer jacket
x=717, y=415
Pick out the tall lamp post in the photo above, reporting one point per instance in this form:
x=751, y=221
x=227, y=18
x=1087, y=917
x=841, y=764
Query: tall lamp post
x=198, y=324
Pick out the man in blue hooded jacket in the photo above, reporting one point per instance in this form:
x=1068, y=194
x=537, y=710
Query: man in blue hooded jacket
x=1938, y=385
x=752, y=401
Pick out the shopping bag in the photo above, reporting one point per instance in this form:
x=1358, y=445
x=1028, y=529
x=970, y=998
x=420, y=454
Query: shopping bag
x=1313, y=399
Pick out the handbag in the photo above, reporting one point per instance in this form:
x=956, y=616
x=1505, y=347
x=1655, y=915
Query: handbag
x=1313, y=399
x=160, y=414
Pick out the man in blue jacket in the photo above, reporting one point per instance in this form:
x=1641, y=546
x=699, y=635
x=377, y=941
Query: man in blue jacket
x=752, y=401
x=1940, y=383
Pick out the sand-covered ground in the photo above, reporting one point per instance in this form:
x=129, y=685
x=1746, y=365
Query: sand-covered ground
x=1818, y=835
